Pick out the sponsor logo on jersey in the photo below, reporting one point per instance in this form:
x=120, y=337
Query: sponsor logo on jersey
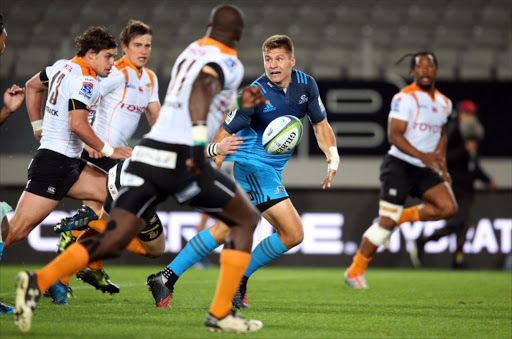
x=86, y=89
x=434, y=109
x=133, y=108
x=321, y=104
x=68, y=67
x=270, y=84
x=269, y=108
x=230, y=116
x=279, y=189
x=395, y=104
x=303, y=99
x=141, y=90
x=424, y=127
x=50, y=190
x=230, y=63
x=128, y=85
x=51, y=111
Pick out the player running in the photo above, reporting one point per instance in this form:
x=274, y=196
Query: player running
x=170, y=161
x=415, y=165
x=288, y=92
x=129, y=91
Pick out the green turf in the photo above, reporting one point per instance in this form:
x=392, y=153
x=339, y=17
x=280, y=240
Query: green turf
x=291, y=302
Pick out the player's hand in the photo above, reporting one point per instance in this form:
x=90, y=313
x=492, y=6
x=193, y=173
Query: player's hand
x=13, y=98
x=122, y=152
x=229, y=145
x=93, y=154
x=38, y=134
x=433, y=160
x=252, y=97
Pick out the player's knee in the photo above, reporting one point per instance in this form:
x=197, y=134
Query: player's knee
x=295, y=239
x=448, y=210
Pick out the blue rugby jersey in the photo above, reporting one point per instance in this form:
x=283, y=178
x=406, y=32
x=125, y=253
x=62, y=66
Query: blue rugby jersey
x=301, y=99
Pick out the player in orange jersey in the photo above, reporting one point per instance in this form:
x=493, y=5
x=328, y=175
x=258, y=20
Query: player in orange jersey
x=414, y=166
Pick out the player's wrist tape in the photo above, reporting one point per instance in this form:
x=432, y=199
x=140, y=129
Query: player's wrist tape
x=236, y=103
x=37, y=125
x=107, y=150
x=199, y=133
x=211, y=150
x=335, y=159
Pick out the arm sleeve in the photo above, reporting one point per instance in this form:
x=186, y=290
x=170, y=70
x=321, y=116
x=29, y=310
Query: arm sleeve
x=43, y=77
x=316, y=108
x=154, y=94
x=238, y=119
x=219, y=71
x=402, y=107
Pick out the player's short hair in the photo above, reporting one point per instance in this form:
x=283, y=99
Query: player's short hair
x=414, y=58
x=2, y=26
x=134, y=29
x=278, y=41
x=96, y=38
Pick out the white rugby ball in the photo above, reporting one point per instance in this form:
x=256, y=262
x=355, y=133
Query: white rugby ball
x=282, y=135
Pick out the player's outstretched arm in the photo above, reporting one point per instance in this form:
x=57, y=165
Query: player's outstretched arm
x=12, y=100
x=327, y=143
x=34, y=98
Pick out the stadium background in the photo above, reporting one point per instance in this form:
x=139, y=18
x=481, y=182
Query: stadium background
x=350, y=47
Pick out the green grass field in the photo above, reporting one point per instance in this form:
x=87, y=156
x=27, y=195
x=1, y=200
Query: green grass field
x=291, y=302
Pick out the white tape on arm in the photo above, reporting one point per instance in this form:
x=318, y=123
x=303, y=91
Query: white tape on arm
x=335, y=159
x=107, y=150
x=37, y=125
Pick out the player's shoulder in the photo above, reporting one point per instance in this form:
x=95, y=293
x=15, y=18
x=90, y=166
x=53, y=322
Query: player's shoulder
x=444, y=98
x=302, y=78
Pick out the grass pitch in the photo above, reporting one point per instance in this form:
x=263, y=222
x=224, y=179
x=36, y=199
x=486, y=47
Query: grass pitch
x=291, y=302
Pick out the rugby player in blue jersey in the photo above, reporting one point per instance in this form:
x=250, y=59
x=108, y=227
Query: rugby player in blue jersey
x=288, y=92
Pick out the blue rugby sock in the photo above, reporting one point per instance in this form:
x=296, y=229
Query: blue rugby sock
x=267, y=250
x=196, y=249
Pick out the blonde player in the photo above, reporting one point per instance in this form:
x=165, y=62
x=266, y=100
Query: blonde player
x=415, y=165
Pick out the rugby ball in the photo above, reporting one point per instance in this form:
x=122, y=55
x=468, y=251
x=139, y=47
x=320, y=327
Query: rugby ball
x=282, y=135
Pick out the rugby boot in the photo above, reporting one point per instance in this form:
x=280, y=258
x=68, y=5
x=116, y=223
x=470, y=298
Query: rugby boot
x=77, y=222
x=233, y=322
x=355, y=281
x=161, y=293
x=240, y=298
x=66, y=239
x=59, y=293
x=99, y=279
x=27, y=295
x=6, y=309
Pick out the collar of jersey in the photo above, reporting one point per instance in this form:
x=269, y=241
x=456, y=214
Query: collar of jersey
x=207, y=41
x=124, y=62
x=415, y=87
x=86, y=69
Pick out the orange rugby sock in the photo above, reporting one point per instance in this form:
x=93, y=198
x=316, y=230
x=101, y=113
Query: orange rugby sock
x=135, y=246
x=96, y=265
x=76, y=233
x=65, y=280
x=7, y=240
x=359, y=264
x=72, y=260
x=232, y=267
x=410, y=214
